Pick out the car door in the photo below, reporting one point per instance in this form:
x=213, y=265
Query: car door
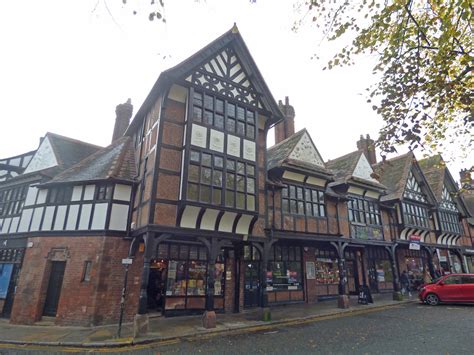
x=468, y=287
x=449, y=291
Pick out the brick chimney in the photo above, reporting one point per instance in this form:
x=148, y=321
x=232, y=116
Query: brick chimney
x=124, y=113
x=285, y=128
x=466, y=178
x=367, y=146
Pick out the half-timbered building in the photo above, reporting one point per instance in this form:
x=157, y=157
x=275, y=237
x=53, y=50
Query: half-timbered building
x=188, y=211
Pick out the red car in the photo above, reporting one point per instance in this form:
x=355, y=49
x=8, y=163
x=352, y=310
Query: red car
x=448, y=288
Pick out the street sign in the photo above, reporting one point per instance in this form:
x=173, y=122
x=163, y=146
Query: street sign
x=414, y=242
x=127, y=261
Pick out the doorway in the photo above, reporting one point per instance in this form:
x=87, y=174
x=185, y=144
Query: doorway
x=54, y=288
x=157, y=286
x=373, y=277
x=352, y=277
x=251, y=284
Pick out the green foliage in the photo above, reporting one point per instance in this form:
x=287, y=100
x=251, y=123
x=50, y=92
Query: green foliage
x=425, y=59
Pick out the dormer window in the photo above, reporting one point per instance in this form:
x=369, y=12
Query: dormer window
x=60, y=194
x=103, y=192
x=299, y=200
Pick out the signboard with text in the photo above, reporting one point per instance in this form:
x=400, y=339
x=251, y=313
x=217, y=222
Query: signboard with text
x=415, y=242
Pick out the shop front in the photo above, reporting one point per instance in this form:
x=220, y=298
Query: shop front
x=469, y=259
x=354, y=270
x=177, y=281
x=379, y=270
x=414, y=262
x=326, y=272
x=284, y=275
x=10, y=265
x=448, y=262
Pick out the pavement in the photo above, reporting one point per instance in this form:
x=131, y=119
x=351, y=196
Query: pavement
x=162, y=330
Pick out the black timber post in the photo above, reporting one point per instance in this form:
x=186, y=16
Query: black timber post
x=143, y=299
x=209, y=316
x=430, y=251
x=266, y=315
x=392, y=251
x=343, y=300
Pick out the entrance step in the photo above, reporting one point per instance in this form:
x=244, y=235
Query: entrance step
x=46, y=321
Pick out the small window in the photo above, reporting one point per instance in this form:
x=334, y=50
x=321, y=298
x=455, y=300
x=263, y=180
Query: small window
x=103, y=192
x=86, y=275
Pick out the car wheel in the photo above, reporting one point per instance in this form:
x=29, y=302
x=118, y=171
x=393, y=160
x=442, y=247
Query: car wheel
x=432, y=299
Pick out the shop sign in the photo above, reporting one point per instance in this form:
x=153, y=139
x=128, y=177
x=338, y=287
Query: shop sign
x=380, y=275
x=443, y=258
x=127, y=261
x=310, y=270
x=414, y=242
x=469, y=251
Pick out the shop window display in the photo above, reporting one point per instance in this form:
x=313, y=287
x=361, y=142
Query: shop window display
x=285, y=271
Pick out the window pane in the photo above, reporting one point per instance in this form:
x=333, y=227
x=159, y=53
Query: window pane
x=217, y=178
x=229, y=198
x=284, y=192
x=197, y=114
x=208, y=117
x=216, y=196
x=219, y=121
x=218, y=162
x=251, y=202
x=321, y=210
x=231, y=110
x=241, y=113
x=285, y=206
x=230, y=181
x=299, y=193
x=300, y=207
x=206, y=176
x=240, y=201
x=206, y=159
x=292, y=192
x=250, y=170
x=198, y=98
x=240, y=183
x=250, y=185
x=230, y=164
x=250, y=131
x=195, y=156
x=250, y=117
x=240, y=128
x=309, y=211
x=208, y=102
x=193, y=174
x=192, y=192
x=219, y=105
x=293, y=206
x=230, y=125
x=240, y=168
x=205, y=194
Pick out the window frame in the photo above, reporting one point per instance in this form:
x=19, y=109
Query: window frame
x=296, y=201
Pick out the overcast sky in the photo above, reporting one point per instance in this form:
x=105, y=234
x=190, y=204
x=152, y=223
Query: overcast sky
x=65, y=65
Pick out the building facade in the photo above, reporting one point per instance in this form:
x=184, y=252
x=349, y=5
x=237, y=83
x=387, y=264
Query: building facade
x=188, y=211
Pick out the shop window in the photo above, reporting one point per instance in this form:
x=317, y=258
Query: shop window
x=86, y=274
x=300, y=200
x=285, y=270
x=327, y=271
x=251, y=253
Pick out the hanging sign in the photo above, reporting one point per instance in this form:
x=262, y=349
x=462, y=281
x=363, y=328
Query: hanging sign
x=414, y=242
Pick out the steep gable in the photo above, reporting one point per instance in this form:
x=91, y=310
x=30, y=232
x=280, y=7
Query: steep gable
x=305, y=151
x=44, y=157
x=363, y=169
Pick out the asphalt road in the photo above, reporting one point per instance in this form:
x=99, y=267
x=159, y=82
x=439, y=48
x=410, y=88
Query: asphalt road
x=407, y=329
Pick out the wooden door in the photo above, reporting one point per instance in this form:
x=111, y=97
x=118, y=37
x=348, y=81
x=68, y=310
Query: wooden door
x=251, y=284
x=54, y=288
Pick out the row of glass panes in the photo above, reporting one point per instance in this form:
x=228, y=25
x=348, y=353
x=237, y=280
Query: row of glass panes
x=415, y=215
x=223, y=115
x=12, y=200
x=208, y=177
x=303, y=201
x=181, y=252
x=363, y=211
x=449, y=222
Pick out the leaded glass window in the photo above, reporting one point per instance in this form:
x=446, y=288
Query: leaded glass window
x=301, y=200
x=448, y=213
x=223, y=115
x=364, y=211
x=212, y=179
x=415, y=215
x=12, y=200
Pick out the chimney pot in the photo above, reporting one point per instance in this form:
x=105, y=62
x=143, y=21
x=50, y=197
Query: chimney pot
x=123, y=114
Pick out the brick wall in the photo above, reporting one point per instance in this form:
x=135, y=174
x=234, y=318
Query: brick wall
x=81, y=302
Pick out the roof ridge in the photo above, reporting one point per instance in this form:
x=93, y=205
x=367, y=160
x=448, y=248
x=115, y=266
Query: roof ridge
x=344, y=156
x=72, y=140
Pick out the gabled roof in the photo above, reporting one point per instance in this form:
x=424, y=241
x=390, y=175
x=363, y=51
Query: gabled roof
x=434, y=169
x=188, y=66
x=288, y=153
x=13, y=166
x=393, y=173
x=344, y=169
x=116, y=161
